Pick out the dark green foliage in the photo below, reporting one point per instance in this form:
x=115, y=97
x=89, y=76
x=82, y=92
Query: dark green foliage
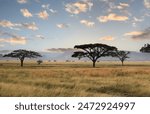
x=93, y=51
x=22, y=54
x=145, y=48
x=39, y=62
x=122, y=55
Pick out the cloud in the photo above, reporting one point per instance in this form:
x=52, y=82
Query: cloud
x=107, y=38
x=87, y=23
x=46, y=6
x=16, y=40
x=112, y=17
x=31, y=26
x=5, y=23
x=78, y=7
x=9, y=24
x=147, y=3
x=43, y=15
x=40, y=36
x=12, y=38
x=137, y=20
x=145, y=35
x=17, y=26
x=122, y=6
x=59, y=50
x=25, y=13
x=61, y=26
x=133, y=33
x=22, y=1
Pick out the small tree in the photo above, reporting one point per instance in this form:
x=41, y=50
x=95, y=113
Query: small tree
x=22, y=54
x=122, y=55
x=93, y=51
x=39, y=62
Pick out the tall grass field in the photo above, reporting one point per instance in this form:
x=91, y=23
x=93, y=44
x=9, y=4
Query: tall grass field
x=69, y=79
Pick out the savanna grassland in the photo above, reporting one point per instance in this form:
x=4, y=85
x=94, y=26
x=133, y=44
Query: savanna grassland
x=75, y=79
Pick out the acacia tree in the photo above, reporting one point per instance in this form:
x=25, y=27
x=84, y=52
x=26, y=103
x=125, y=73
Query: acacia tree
x=93, y=51
x=145, y=48
x=122, y=55
x=22, y=54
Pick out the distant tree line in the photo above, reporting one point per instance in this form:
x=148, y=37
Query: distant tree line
x=91, y=51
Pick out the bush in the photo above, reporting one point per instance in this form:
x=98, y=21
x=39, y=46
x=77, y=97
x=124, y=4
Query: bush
x=39, y=62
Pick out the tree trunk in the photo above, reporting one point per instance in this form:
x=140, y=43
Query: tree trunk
x=94, y=64
x=122, y=63
x=21, y=63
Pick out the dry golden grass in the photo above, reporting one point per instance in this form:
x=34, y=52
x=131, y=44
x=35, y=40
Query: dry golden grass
x=75, y=79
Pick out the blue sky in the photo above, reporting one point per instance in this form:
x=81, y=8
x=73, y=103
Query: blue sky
x=44, y=24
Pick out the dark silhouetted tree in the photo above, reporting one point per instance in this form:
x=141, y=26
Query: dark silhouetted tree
x=93, y=51
x=145, y=48
x=22, y=54
x=122, y=55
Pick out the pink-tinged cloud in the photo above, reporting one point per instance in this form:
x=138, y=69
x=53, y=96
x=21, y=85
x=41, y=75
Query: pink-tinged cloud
x=26, y=13
x=140, y=35
x=107, y=38
x=14, y=40
x=78, y=7
x=43, y=15
x=112, y=17
x=5, y=23
x=133, y=33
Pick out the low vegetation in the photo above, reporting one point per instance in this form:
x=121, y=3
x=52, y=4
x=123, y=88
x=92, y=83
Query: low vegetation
x=75, y=79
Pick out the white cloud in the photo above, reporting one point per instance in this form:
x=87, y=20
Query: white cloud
x=46, y=6
x=40, y=36
x=107, y=38
x=22, y=1
x=43, y=15
x=14, y=40
x=112, y=17
x=31, y=26
x=61, y=26
x=25, y=13
x=137, y=20
x=87, y=23
x=78, y=7
x=147, y=3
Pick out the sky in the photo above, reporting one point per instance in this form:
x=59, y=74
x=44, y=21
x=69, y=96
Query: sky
x=42, y=25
